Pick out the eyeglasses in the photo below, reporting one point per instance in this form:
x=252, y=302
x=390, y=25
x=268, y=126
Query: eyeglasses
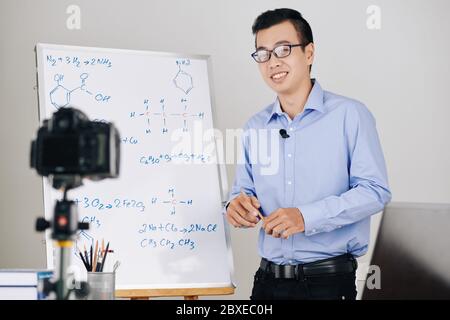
x=281, y=51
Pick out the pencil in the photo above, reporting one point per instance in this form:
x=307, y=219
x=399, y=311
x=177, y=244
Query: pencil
x=260, y=215
x=98, y=267
x=95, y=256
x=91, y=262
x=99, y=262
x=82, y=259
x=104, y=257
x=86, y=257
x=257, y=210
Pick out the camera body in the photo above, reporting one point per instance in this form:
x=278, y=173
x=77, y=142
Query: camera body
x=69, y=145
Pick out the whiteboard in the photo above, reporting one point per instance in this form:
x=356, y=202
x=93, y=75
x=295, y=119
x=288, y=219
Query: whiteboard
x=163, y=215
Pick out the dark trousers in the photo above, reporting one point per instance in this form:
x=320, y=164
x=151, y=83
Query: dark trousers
x=318, y=287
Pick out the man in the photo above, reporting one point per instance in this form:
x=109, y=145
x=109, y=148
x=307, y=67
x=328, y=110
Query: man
x=331, y=176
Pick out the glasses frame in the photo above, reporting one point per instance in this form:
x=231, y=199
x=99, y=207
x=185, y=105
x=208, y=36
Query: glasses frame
x=254, y=54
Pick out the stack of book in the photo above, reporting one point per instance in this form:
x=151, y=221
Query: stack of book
x=22, y=284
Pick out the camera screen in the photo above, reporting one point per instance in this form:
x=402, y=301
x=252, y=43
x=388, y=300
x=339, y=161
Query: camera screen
x=60, y=151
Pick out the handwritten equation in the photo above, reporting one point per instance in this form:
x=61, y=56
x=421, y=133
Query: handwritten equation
x=175, y=157
x=171, y=227
x=118, y=203
x=78, y=61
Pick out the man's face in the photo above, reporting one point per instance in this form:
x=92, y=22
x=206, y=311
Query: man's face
x=284, y=75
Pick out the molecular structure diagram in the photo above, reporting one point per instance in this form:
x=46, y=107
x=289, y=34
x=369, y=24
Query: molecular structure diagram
x=183, y=81
x=172, y=201
x=148, y=114
x=60, y=96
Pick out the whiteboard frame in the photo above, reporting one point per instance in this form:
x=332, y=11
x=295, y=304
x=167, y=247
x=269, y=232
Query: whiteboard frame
x=221, y=167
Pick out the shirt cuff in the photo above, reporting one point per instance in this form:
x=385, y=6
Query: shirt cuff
x=225, y=207
x=315, y=218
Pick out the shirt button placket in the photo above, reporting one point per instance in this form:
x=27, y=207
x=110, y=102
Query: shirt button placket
x=289, y=183
x=289, y=168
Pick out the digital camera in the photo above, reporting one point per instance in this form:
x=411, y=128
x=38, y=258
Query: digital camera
x=69, y=144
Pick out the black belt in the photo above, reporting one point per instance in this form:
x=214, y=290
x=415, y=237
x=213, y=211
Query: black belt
x=342, y=264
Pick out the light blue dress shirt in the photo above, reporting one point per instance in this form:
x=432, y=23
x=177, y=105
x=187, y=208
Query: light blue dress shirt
x=331, y=168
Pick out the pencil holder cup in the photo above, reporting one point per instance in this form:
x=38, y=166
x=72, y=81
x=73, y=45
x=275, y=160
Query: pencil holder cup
x=101, y=285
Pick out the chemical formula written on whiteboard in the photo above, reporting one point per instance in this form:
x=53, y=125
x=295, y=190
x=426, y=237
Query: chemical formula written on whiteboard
x=77, y=61
x=171, y=227
x=168, y=243
x=117, y=203
x=182, y=157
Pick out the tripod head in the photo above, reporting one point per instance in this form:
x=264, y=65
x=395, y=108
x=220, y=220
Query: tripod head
x=65, y=223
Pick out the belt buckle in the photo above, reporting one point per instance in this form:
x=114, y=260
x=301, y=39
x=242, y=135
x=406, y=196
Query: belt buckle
x=284, y=271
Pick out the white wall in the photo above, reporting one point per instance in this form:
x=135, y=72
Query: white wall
x=400, y=71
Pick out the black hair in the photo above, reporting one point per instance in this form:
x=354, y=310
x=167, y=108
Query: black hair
x=272, y=17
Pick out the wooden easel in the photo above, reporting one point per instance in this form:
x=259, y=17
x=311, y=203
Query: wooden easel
x=188, y=293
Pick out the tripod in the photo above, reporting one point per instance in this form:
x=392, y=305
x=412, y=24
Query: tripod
x=64, y=226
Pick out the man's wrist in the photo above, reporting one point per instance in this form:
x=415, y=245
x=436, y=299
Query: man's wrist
x=302, y=220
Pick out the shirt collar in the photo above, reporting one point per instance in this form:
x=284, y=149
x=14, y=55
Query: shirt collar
x=314, y=101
